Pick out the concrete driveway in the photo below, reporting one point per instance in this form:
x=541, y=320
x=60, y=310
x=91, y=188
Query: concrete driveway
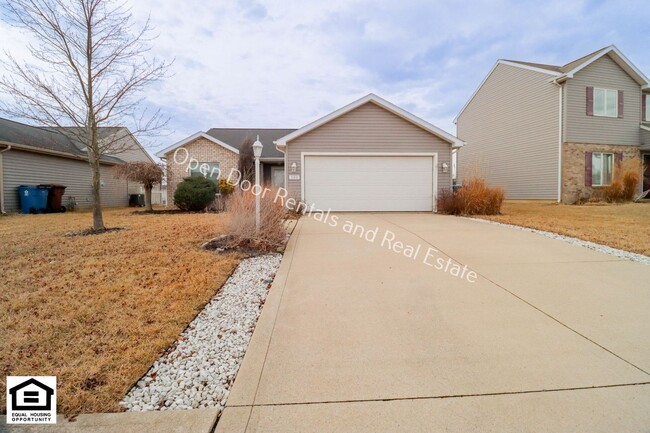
x=356, y=337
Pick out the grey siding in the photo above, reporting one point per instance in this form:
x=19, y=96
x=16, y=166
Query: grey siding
x=511, y=128
x=580, y=128
x=26, y=168
x=368, y=128
x=645, y=136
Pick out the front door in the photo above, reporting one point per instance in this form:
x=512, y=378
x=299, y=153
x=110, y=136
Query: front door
x=646, y=172
x=277, y=177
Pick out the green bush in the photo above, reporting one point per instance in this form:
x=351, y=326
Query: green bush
x=194, y=193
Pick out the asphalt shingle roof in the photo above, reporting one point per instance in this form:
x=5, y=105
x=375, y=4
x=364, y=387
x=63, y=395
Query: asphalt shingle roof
x=562, y=69
x=236, y=136
x=44, y=138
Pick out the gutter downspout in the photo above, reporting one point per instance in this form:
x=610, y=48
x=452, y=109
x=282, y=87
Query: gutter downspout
x=2, y=184
x=559, y=157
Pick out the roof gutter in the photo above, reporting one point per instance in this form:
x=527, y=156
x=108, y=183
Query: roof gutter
x=52, y=152
x=2, y=186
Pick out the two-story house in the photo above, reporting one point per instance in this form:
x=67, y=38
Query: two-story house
x=556, y=132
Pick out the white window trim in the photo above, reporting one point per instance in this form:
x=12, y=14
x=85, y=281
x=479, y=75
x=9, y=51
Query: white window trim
x=601, y=168
x=605, y=102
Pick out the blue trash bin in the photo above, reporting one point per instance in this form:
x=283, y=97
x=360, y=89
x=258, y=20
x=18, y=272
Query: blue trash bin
x=33, y=199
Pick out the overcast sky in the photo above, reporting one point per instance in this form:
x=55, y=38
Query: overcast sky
x=284, y=63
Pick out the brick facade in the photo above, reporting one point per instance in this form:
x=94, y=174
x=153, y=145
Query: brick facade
x=202, y=150
x=573, y=167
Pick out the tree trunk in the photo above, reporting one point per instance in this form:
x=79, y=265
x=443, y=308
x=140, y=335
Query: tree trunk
x=147, y=199
x=98, y=219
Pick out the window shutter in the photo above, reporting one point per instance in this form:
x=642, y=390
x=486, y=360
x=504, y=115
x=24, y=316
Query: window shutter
x=587, y=168
x=644, y=99
x=590, y=101
x=618, y=158
x=620, y=104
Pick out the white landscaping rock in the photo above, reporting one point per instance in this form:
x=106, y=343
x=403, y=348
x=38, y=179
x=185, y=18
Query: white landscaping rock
x=200, y=369
x=591, y=245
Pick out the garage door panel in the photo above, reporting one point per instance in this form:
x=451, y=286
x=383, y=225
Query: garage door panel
x=369, y=183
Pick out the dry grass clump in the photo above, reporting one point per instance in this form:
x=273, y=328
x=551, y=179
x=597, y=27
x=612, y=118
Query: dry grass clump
x=475, y=197
x=97, y=311
x=240, y=224
x=624, y=186
x=623, y=226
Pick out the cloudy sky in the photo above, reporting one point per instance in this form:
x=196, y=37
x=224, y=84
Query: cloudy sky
x=283, y=63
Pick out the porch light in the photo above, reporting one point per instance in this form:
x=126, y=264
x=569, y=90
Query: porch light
x=257, y=148
x=294, y=167
x=257, y=152
x=445, y=167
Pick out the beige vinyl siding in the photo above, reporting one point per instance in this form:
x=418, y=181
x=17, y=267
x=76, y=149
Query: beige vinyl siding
x=368, y=128
x=27, y=168
x=133, y=152
x=580, y=128
x=511, y=128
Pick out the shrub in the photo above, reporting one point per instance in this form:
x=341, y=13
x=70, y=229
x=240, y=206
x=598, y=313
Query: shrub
x=241, y=222
x=475, y=197
x=195, y=193
x=225, y=187
x=624, y=186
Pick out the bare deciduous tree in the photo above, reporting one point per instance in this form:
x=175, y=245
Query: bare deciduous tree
x=89, y=69
x=149, y=174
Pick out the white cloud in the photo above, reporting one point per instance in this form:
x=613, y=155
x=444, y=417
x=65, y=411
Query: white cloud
x=278, y=63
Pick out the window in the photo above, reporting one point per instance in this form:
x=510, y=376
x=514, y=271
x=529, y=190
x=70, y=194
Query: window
x=646, y=104
x=602, y=165
x=205, y=169
x=605, y=102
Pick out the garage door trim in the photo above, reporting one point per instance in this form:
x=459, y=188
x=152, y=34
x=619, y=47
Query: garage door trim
x=434, y=155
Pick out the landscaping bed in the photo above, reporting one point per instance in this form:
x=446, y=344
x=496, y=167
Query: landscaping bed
x=621, y=226
x=98, y=311
x=199, y=369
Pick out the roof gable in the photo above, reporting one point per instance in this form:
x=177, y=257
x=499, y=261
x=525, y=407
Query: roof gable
x=616, y=55
x=382, y=103
x=162, y=153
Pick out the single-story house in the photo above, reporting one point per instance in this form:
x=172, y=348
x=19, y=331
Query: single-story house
x=370, y=155
x=31, y=155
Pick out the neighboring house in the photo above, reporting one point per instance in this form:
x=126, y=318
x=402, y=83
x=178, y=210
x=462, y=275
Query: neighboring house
x=32, y=155
x=217, y=153
x=128, y=149
x=555, y=132
x=367, y=156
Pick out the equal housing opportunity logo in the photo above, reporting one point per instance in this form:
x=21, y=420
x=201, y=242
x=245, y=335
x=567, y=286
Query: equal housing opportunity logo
x=31, y=399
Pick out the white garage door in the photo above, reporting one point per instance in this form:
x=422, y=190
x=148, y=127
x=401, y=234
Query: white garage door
x=369, y=183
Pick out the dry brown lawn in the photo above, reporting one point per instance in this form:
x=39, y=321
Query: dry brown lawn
x=97, y=311
x=623, y=226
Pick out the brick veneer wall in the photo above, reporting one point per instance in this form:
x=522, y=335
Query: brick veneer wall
x=202, y=150
x=573, y=167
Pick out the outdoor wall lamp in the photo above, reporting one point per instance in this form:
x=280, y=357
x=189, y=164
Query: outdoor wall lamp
x=294, y=167
x=445, y=167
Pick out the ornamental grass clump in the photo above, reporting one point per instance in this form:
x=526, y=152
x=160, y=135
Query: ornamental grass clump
x=624, y=186
x=240, y=224
x=475, y=197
